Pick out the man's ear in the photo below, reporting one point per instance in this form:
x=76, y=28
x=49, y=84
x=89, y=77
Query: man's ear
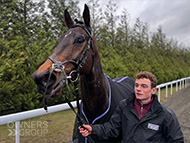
x=154, y=90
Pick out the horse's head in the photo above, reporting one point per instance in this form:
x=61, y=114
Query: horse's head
x=73, y=56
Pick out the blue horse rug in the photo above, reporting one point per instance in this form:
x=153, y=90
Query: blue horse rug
x=119, y=88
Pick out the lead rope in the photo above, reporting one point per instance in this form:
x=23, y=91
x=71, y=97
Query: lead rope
x=80, y=119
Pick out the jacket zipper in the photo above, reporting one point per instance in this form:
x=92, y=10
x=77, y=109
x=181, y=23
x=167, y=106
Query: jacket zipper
x=141, y=110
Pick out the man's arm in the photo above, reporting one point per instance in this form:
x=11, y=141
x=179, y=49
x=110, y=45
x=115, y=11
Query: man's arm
x=107, y=130
x=172, y=130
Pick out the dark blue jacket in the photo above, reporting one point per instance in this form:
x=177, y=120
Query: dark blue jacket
x=159, y=124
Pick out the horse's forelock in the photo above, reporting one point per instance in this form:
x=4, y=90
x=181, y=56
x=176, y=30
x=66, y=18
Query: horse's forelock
x=79, y=22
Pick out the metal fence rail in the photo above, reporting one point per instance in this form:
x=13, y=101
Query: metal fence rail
x=17, y=117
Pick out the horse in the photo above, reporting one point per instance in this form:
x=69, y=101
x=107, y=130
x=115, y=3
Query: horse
x=76, y=56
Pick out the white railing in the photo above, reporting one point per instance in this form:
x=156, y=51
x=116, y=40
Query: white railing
x=17, y=117
x=180, y=83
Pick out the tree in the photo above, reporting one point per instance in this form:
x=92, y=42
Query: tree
x=56, y=10
x=19, y=31
x=28, y=33
x=123, y=32
x=96, y=17
x=140, y=34
x=159, y=40
x=110, y=22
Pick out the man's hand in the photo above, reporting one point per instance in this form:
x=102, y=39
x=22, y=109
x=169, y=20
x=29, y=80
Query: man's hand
x=85, y=130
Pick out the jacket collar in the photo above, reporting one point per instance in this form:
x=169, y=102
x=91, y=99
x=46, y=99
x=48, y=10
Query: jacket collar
x=155, y=108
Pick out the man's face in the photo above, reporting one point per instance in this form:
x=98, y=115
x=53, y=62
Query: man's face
x=143, y=90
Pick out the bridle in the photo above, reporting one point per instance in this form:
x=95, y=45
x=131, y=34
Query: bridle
x=59, y=67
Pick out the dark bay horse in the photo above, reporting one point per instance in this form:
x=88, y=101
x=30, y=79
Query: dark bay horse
x=76, y=55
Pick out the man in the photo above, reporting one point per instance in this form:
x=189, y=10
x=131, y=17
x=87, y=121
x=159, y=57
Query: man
x=141, y=118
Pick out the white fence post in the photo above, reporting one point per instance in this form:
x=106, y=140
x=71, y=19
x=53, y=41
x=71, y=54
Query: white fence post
x=166, y=91
x=17, y=131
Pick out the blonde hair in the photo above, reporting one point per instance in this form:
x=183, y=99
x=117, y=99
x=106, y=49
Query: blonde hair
x=147, y=75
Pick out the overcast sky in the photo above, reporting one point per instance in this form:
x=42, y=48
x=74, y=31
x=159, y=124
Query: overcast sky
x=173, y=15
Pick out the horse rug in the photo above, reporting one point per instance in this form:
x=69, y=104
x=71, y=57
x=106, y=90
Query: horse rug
x=119, y=88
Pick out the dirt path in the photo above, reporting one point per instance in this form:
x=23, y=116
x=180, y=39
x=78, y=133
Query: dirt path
x=180, y=104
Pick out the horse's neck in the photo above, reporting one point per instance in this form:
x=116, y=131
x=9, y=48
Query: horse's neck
x=94, y=88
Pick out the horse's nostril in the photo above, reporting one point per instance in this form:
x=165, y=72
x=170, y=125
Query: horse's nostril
x=44, y=79
x=47, y=79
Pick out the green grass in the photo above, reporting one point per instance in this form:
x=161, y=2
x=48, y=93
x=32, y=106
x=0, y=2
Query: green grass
x=52, y=128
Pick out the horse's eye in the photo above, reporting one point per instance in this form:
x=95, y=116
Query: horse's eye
x=79, y=40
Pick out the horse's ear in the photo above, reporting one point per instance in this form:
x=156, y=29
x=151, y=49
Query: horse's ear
x=86, y=16
x=67, y=18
